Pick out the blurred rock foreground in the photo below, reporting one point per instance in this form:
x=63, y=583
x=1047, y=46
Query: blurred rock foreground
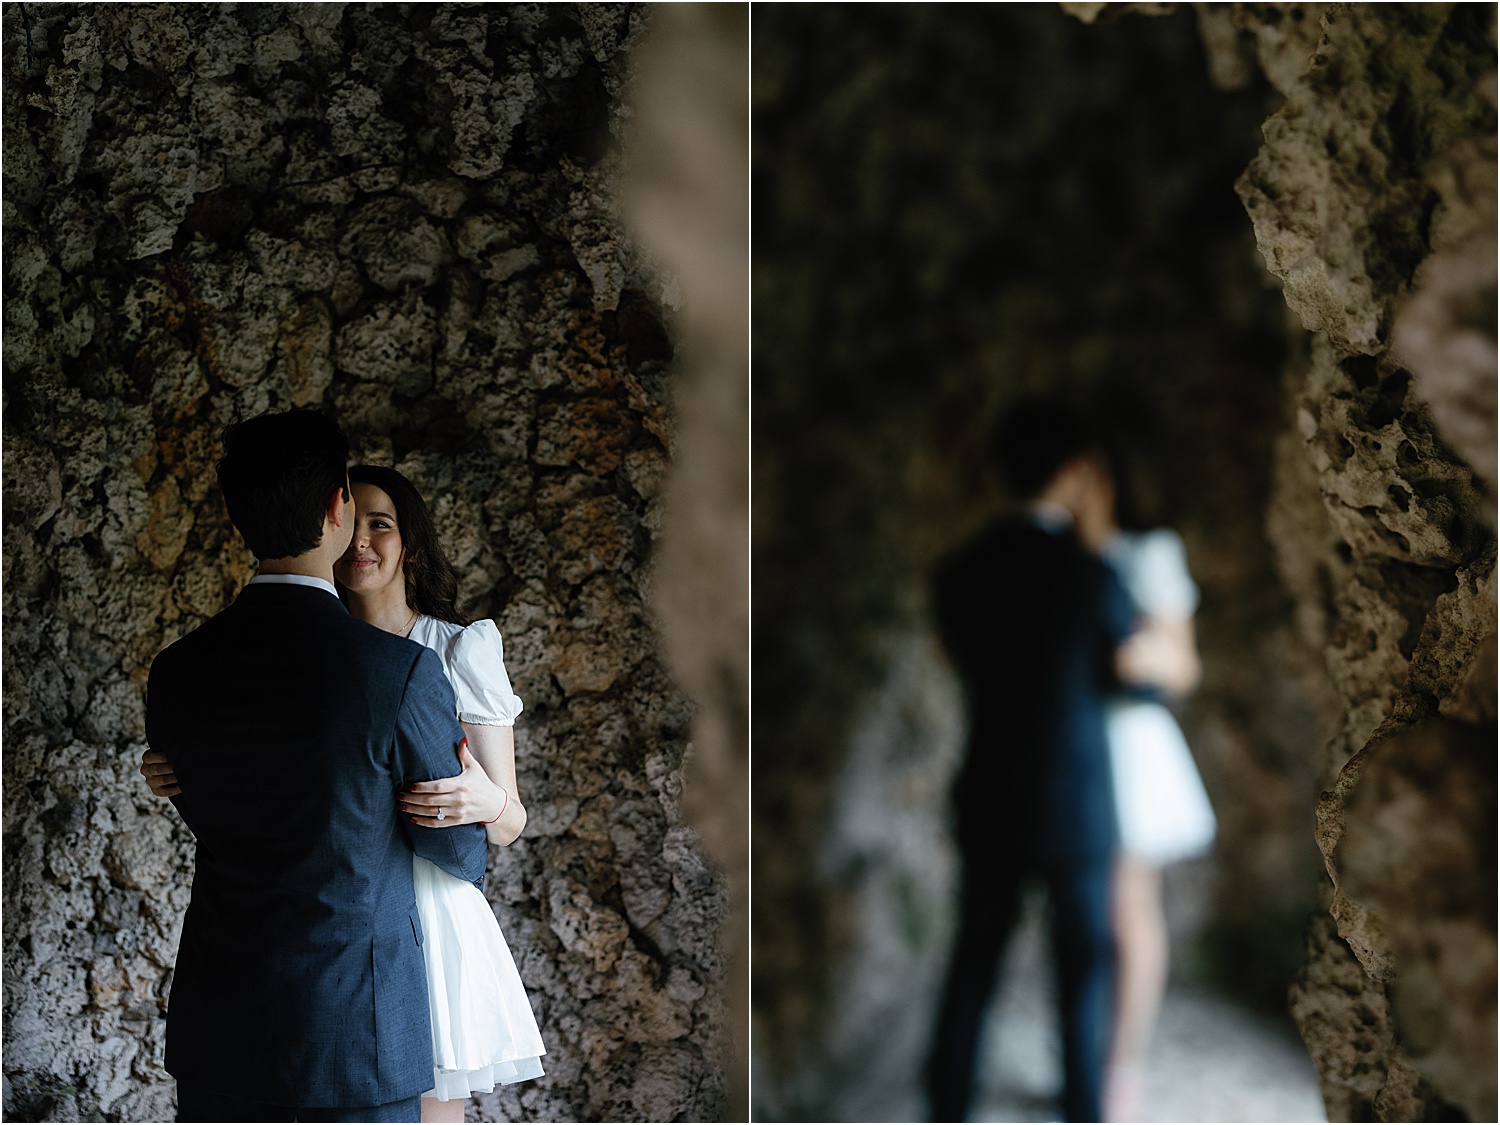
x=406, y=215
x=1260, y=239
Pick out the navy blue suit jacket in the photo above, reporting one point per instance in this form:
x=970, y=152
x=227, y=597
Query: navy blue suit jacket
x=291, y=725
x=1031, y=620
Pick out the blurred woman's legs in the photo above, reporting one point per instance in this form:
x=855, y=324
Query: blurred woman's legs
x=1141, y=935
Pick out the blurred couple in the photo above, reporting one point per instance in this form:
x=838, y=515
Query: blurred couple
x=1068, y=635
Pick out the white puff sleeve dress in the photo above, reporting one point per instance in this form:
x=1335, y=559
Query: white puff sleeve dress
x=483, y=1031
x=1162, y=806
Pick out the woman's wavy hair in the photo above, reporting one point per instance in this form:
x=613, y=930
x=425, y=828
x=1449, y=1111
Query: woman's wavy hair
x=431, y=585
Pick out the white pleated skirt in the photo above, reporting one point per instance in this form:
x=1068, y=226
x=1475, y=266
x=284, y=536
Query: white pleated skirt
x=1162, y=805
x=483, y=1031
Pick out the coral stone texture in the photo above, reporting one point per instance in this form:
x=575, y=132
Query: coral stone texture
x=406, y=215
x=1373, y=202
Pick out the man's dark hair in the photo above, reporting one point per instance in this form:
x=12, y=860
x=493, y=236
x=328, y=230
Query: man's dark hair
x=431, y=585
x=1036, y=438
x=277, y=473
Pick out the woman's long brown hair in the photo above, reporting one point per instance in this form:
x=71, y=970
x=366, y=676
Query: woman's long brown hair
x=431, y=586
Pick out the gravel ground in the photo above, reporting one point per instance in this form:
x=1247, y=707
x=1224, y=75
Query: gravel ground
x=1211, y=1059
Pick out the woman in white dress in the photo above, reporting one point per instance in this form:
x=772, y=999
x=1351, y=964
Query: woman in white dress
x=395, y=577
x=1163, y=810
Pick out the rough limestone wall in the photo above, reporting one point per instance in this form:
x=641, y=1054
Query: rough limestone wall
x=402, y=214
x=954, y=206
x=1373, y=200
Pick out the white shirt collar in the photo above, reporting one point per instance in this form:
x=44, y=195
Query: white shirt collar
x=294, y=580
x=1049, y=516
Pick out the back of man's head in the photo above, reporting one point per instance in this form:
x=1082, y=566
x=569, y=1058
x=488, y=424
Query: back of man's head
x=277, y=474
x=1036, y=438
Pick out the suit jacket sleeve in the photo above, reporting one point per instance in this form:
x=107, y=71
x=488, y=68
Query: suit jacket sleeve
x=1120, y=613
x=1119, y=617
x=427, y=737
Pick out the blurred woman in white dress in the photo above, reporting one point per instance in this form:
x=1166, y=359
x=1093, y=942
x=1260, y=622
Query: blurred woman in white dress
x=396, y=577
x=1164, y=813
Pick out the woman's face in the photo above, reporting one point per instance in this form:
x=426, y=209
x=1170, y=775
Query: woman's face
x=373, y=560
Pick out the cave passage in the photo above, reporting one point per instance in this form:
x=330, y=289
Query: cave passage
x=956, y=207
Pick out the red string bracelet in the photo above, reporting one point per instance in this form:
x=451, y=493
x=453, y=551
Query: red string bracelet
x=505, y=805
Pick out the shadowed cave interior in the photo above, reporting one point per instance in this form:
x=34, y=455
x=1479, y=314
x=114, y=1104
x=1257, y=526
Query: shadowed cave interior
x=1259, y=241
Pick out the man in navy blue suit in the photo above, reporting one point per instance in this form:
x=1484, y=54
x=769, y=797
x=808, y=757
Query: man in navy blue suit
x=1031, y=620
x=300, y=991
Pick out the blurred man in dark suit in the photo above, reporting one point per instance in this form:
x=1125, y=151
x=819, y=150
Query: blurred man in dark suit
x=1031, y=619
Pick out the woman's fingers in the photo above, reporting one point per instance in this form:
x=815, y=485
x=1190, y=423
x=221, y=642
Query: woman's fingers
x=431, y=800
x=429, y=819
x=159, y=775
x=164, y=786
x=441, y=785
x=455, y=798
x=428, y=805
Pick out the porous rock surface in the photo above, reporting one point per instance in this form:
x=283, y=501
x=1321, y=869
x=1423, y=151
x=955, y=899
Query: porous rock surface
x=404, y=215
x=1373, y=203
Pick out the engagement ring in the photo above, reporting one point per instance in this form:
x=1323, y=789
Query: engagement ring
x=442, y=813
